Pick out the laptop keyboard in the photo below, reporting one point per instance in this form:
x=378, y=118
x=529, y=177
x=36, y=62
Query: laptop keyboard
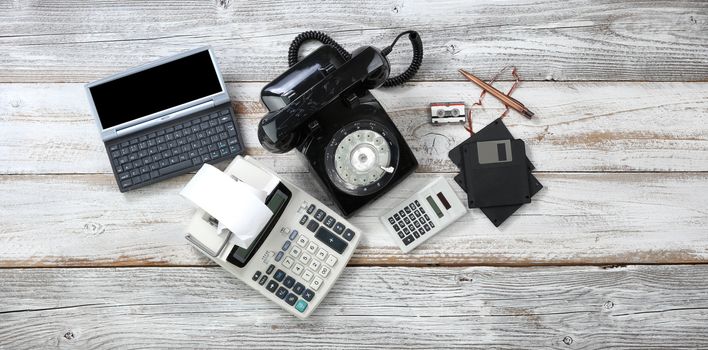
x=174, y=149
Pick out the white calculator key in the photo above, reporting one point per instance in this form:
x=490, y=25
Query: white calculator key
x=302, y=241
x=324, y=271
x=315, y=264
x=307, y=276
x=297, y=269
x=321, y=254
x=316, y=283
x=312, y=247
x=288, y=262
x=331, y=260
x=305, y=258
x=285, y=230
x=295, y=252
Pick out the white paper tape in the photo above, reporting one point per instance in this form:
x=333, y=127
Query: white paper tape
x=239, y=207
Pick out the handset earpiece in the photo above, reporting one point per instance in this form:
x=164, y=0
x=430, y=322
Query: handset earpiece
x=378, y=76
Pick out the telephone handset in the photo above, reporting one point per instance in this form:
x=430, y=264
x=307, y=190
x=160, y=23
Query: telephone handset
x=367, y=67
x=322, y=106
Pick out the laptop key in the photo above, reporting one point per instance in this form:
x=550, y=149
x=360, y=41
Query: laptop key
x=176, y=167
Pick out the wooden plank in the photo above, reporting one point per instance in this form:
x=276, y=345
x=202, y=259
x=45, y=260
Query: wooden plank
x=47, y=128
x=598, y=218
x=642, y=307
x=61, y=41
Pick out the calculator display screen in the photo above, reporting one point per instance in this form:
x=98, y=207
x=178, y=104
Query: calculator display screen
x=276, y=202
x=432, y=203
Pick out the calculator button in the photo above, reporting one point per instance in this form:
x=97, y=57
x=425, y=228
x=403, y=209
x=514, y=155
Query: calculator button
x=256, y=275
x=321, y=254
x=416, y=234
x=412, y=206
x=312, y=225
x=417, y=224
x=298, y=288
x=291, y=299
x=401, y=213
x=406, y=230
x=331, y=260
x=421, y=231
x=348, y=235
x=396, y=228
x=285, y=230
x=320, y=215
x=281, y=293
x=396, y=216
x=315, y=264
x=272, y=286
x=293, y=234
x=270, y=269
x=288, y=262
x=302, y=241
x=426, y=227
x=391, y=220
x=422, y=211
x=407, y=209
x=289, y=282
x=311, y=209
x=432, y=224
x=312, y=247
x=324, y=271
x=331, y=240
x=279, y=256
x=305, y=258
x=295, y=252
x=417, y=213
x=407, y=220
x=408, y=240
x=263, y=280
x=307, y=276
x=426, y=217
x=411, y=228
x=417, y=204
x=329, y=221
x=338, y=228
x=316, y=283
x=301, y=305
x=401, y=234
x=286, y=245
x=304, y=219
x=308, y=295
x=279, y=275
x=297, y=269
x=421, y=221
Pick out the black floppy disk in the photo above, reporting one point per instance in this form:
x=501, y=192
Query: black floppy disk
x=495, y=173
x=494, y=130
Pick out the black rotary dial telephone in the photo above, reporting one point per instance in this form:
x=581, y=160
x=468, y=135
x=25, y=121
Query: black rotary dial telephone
x=322, y=106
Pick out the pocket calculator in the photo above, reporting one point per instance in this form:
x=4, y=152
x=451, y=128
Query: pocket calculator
x=295, y=260
x=424, y=214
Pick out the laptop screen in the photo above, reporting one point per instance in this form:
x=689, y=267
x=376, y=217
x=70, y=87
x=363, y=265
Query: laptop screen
x=155, y=89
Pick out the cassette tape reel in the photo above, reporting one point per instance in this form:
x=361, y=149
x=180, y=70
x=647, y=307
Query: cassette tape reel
x=361, y=157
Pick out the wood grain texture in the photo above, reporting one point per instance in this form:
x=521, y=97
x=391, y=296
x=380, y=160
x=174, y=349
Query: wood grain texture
x=47, y=128
x=59, y=41
x=620, y=218
x=643, y=307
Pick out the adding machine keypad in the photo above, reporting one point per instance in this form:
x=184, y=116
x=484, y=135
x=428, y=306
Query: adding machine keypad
x=411, y=222
x=303, y=264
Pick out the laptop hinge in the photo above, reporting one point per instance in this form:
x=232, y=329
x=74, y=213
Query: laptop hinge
x=165, y=118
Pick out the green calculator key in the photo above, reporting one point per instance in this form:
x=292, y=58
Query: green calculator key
x=301, y=305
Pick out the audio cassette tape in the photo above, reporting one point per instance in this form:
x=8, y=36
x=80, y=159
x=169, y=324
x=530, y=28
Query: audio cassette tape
x=447, y=112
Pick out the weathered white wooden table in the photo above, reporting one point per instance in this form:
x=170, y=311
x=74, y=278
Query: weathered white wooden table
x=610, y=254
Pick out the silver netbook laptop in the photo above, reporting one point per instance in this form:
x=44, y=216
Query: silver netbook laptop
x=165, y=118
